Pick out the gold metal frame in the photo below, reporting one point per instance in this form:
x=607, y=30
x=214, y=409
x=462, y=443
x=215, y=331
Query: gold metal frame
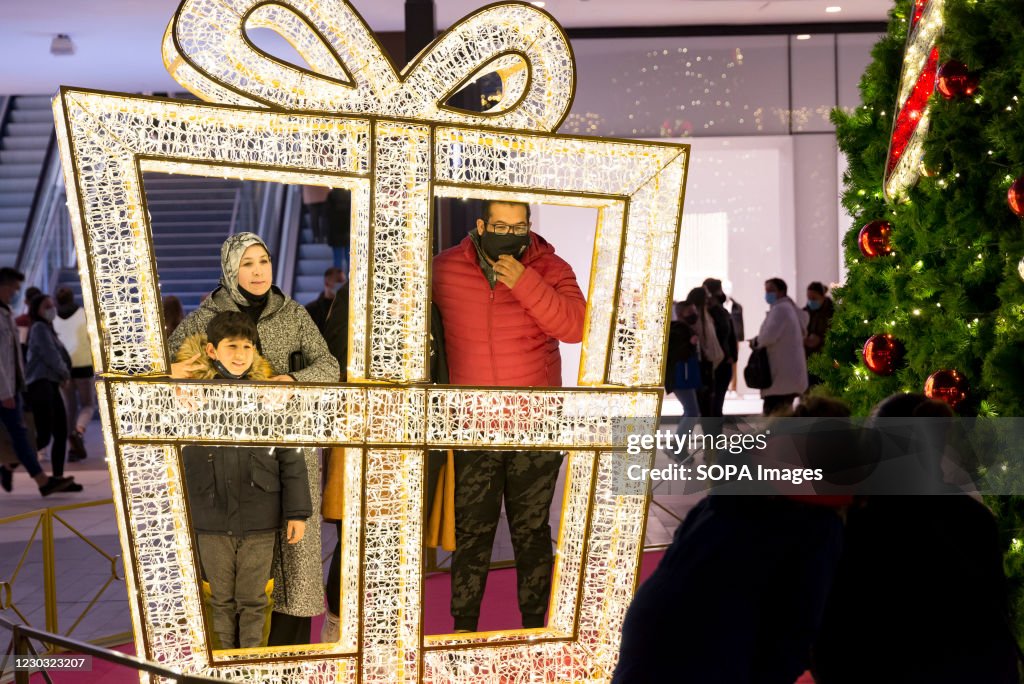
x=397, y=147
x=44, y=531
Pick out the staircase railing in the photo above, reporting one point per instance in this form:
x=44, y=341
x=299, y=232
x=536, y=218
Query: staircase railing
x=21, y=648
x=47, y=245
x=49, y=176
x=289, y=237
x=5, y=108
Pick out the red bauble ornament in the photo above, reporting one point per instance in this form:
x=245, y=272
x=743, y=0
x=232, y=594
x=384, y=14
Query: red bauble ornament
x=955, y=80
x=1015, y=197
x=882, y=353
x=873, y=239
x=946, y=385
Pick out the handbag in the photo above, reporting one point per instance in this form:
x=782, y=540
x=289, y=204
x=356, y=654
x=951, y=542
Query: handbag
x=758, y=372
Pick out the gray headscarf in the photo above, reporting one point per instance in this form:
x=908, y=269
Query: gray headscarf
x=230, y=256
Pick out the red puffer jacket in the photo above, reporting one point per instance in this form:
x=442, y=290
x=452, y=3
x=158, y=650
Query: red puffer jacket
x=507, y=336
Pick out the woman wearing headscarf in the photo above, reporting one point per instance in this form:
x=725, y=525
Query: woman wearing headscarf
x=284, y=327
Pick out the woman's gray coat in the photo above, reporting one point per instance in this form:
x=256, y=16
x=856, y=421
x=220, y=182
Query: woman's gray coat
x=284, y=327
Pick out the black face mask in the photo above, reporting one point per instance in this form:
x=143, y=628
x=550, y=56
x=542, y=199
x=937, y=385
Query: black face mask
x=496, y=245
x=222, y=369
x=691, y=319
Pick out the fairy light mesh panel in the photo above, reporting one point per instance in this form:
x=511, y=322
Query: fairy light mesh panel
x=349, y=119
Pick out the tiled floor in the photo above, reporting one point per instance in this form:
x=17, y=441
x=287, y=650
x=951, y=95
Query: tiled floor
x=81, y=570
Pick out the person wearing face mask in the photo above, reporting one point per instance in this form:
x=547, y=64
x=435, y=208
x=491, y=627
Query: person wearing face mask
x=782, y=333
x=284, y=331
x=820, y=309
x=47, y=367
x=12, y=384
x=334, y=280
x=506, y=302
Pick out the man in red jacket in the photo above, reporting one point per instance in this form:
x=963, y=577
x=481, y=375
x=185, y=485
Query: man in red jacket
x=506, y=301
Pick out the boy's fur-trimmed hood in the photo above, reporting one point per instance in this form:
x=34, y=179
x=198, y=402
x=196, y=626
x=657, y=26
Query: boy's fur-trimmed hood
x=196, y=344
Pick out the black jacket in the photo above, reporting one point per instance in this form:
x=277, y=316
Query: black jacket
x=724, y=331
x=680, y=349
x=318, y=310
x=240, y=490
x=336, y=334
x=737, y=320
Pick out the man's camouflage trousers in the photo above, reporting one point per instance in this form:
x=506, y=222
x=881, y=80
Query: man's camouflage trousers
x=526, y=480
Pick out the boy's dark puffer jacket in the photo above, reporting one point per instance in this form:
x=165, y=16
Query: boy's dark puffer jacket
x=239, y=490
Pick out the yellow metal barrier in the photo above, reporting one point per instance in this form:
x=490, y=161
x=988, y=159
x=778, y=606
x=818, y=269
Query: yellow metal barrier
x=44, y=530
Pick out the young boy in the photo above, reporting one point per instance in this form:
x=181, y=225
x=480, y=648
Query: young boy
x=238, y=495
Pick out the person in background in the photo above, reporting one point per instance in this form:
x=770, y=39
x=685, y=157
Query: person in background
x=711, y=353
x=12, y=384
x=782, y=334
x=334, y=280
x=920, y=595
x=314, y=198
x=24, y=321
x=682, y=364
x=285, y=334
x=174, y=314
x=79, y=394
x=757, y=569
x=47, y=367
x=727, y=341
x=336, y=336
x=339, y=227
x=820, y=310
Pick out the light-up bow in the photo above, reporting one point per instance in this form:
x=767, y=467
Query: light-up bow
x=206, y=49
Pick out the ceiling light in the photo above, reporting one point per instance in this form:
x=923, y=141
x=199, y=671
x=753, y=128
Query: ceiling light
x=833, y=9
x=62, y=45
x=537, y=4
x=804, y=36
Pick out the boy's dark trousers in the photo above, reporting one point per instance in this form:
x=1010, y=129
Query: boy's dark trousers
x=527, y=481
x=237, y=569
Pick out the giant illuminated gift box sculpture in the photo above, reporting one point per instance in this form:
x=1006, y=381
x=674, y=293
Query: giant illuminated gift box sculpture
x=389, y=138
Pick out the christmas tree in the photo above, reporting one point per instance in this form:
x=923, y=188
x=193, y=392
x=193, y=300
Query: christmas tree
x=935, y=270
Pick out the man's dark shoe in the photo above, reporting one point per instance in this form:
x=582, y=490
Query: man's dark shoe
x=55, y=484
x=6, y=478
x=465, y=624
x=533, y=621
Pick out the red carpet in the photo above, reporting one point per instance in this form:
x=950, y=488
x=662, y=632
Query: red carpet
x=500, y=609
